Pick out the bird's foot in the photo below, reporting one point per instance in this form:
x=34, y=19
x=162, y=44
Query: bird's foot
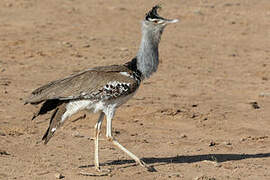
x=99, y=172
x=149, y=168
x=102, y=170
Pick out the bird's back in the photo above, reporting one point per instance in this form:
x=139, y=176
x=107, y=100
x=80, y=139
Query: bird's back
x=105, y=82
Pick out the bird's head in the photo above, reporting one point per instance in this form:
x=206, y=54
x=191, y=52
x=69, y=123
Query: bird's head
x=154, y=20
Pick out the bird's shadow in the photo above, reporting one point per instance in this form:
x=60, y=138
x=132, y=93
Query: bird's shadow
x=187, y=159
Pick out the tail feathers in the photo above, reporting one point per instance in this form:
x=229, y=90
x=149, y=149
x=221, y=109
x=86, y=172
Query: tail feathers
x=45, y=137
x=55, y=122
x=47, y=106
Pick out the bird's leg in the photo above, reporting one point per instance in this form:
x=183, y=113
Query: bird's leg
x=97, y=131
x=116, y=143
x=96, y=135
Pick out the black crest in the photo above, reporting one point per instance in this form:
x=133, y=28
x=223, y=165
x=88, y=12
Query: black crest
x=152, y=14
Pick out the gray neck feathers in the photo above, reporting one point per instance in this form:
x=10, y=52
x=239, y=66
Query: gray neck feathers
x=147, y=56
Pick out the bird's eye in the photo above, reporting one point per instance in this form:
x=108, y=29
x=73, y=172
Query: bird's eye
x=155, y=21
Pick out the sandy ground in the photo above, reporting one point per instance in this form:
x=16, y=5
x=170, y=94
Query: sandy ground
x=204, y=115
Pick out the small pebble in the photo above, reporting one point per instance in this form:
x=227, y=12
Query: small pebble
x=123, y=49
x=255, y=105
x=86, y=46
x=227, y=143
x=171, y=143
x=233, y=55
x=183, y=136
x=67, y=44
x=242, y=139
x=59, y=176
x=194, y=116
x=212, y=143
x=145, y=141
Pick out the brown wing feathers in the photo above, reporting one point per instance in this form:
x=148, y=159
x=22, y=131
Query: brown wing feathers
x=74, y=87
x=47, y=106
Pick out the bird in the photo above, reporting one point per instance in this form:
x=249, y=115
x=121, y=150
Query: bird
x=103, y=89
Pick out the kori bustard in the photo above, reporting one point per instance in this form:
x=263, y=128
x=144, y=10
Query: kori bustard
x=103, y=89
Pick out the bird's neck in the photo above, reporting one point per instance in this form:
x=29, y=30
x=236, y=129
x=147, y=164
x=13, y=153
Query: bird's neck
x=147, y=56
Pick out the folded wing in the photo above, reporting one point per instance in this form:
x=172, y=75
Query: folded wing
x=85, y=85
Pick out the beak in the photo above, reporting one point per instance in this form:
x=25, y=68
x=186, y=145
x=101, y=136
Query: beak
x=170, y=21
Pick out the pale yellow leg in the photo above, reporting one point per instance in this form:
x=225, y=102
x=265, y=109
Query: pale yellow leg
x=109, y=136
x=97, y=131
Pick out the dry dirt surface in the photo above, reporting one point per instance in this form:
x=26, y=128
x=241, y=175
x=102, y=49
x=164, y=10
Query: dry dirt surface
x=203, y=116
